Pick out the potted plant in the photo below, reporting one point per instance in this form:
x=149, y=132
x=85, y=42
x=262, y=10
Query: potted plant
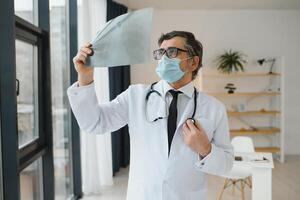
x=231, y=61
x=230, y=87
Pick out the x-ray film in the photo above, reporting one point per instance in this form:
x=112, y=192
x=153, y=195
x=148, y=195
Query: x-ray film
x=124, y=40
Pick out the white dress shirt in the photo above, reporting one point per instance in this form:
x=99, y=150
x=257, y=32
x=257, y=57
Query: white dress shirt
x=183, y=98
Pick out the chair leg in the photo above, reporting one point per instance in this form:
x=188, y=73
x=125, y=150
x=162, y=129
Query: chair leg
x=242, y=189
x=233, y=187
x=223, y=188
x=250, y=181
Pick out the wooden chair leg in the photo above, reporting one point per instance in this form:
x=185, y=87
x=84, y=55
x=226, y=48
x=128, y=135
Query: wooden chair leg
x=223, y=188
x=242, y=189
x=233, y=187
x=250, y=181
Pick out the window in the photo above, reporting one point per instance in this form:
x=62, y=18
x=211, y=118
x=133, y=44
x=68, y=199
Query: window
x=25, y=111
x=33, y=112
x=27, y=87
x=39, y=159
x=27, y=10
x=31, y=181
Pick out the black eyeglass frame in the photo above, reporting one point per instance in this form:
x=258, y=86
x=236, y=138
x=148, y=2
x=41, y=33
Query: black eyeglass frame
x=158, y=52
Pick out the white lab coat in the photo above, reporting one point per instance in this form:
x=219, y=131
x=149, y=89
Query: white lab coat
x=153, y=174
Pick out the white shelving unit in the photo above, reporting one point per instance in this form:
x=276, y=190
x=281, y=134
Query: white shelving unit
x=255, y=109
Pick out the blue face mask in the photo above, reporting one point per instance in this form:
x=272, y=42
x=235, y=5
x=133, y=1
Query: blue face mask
x=169, y=69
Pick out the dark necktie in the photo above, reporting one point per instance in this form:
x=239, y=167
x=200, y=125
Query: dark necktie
x=172, y=118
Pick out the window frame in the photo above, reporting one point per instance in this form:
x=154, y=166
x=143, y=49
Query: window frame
x=14, y=160
x=75, y=136
x=1, y=178
x=9, y=137
x=28, y=33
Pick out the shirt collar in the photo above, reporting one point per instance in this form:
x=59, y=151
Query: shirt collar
x=187, y=89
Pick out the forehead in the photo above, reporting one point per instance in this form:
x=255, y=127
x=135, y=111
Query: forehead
x=178, y=42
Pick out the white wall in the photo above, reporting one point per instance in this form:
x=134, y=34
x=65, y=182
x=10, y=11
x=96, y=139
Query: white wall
x=258, y=33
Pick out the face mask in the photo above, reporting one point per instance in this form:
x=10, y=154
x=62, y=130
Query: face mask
x=169, y=69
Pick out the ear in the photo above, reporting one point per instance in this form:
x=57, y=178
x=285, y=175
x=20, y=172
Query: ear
x=195, y=63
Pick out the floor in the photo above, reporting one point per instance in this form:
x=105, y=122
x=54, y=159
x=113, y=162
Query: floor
x=286, y=184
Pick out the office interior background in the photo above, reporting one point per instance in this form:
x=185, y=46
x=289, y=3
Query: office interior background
x=44, y=155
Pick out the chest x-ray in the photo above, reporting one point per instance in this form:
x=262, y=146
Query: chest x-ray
x=124, y=40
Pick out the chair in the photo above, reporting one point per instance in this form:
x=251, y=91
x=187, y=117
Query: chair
x=239, y=173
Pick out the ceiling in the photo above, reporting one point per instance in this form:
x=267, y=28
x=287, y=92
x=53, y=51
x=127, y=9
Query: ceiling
x=211, y=4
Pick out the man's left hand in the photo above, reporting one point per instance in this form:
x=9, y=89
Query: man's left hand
x=196, y=138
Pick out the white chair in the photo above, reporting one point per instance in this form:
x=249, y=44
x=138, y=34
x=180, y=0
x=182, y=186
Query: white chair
x=239, y=173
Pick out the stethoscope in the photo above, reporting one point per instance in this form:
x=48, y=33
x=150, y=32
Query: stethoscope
x=153, y=91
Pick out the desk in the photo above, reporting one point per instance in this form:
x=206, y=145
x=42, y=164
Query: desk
x=261, y=174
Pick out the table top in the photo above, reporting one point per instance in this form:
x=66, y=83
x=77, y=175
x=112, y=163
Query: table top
x=255, y=159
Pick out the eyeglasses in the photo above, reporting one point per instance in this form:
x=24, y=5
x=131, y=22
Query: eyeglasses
x=171, y=52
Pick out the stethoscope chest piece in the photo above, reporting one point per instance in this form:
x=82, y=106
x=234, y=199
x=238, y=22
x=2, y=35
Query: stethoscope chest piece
x=192, y=119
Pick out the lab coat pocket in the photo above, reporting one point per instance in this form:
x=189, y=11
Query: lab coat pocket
x=208, y=125
x=198, y=194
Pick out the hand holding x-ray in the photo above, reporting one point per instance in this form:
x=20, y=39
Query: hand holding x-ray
x=124, y=40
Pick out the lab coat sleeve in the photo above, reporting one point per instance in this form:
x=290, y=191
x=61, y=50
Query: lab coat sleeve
x=220, y=159
x=96, y=118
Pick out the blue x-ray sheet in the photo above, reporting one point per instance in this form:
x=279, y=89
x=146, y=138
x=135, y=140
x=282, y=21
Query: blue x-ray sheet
x=124, y=40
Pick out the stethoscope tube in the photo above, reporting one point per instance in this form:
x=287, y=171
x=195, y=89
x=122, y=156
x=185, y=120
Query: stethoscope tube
x=195, y=105
x=152, y=90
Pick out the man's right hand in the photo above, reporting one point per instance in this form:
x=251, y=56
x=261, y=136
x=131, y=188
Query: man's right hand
x=85, y=73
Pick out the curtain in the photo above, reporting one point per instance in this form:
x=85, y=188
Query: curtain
x=95, y=149
x=119, y=80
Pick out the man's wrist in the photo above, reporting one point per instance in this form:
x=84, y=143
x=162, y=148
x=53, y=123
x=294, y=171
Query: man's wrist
x=84, y=81
x=206, y=152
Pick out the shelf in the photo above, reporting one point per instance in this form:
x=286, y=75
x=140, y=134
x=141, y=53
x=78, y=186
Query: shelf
x=240, y=74
x=262, y=96
x=267, y=149
x=258, y=112
x=260, y=131
x=238, y=94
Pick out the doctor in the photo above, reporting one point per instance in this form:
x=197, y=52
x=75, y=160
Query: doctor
x=177, y=133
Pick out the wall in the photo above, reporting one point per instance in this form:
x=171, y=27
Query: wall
x=258, y=33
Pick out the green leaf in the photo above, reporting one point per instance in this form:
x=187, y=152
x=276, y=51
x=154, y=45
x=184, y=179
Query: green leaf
x=231, y=61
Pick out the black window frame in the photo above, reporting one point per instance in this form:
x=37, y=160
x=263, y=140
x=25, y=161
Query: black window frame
x=75, y=131
x=9, y=138
x=1, y=178
x=14, y=160
x=26, y=32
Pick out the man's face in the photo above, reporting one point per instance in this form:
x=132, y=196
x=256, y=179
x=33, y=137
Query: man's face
x=179, y=42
